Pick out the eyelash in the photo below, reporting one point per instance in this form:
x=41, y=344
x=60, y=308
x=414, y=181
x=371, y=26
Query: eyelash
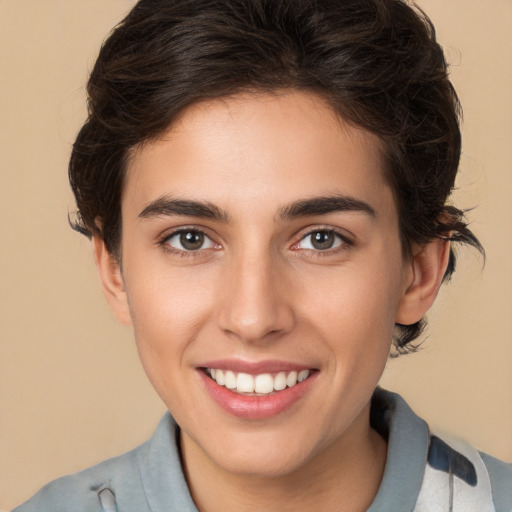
x=344, y=244
x=184, y=253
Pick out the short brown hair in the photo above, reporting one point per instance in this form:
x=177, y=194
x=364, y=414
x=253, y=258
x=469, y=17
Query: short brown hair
x=376, y=62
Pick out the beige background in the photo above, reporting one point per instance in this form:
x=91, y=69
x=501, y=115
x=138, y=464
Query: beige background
x=71, y=389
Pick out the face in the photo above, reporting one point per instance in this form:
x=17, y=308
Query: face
x=263, y=271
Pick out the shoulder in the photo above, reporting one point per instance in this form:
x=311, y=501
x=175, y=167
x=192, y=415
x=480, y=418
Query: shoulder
x=432, y=471
x=500, y=475
x=456, y=476
x=90, y=490
x=466, y=479
x=147, y=478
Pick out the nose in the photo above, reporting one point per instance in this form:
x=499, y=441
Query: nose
x=256, y=302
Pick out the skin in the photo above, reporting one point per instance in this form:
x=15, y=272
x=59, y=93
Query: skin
x=257, y=289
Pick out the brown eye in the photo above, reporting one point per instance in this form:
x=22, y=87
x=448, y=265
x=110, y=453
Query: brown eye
x=192, y=240
x=321, y=240
x=189, y=240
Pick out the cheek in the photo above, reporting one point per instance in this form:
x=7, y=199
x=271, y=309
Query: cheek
x=354, y=311
x=354, y=301
x=168, y=313
x=168, y=308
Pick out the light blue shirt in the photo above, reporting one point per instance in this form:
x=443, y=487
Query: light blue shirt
x=150, y=478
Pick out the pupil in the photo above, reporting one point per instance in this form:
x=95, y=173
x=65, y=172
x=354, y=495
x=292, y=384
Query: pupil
x=323, y=240
x=191, y=240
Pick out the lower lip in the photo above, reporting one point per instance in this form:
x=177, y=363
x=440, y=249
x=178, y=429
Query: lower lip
x=256, y=407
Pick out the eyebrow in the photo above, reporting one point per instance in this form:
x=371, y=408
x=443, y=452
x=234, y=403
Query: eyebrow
x=325, y=205
x=166, y=206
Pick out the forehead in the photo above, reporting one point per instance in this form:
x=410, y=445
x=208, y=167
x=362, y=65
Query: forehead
x=266, y=147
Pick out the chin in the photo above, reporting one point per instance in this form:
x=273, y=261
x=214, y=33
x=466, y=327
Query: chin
x=262, y=465
x=260, y=456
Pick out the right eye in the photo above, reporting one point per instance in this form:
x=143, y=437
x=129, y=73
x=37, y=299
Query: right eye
x=188, y=240
x=321, y=240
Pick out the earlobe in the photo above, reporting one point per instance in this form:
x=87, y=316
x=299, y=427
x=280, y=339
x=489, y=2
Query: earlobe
x=426, y=271
x=111, y=280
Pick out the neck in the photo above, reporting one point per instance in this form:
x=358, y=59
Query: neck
x=344, y=477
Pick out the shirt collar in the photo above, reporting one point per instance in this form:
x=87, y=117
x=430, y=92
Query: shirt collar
x=407, y=435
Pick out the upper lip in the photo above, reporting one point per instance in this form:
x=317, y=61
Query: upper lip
x=255, y=367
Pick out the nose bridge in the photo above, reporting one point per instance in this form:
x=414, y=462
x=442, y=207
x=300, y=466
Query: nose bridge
x=255, y=303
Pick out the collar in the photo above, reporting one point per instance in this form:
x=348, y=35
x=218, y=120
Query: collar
x=166, y=489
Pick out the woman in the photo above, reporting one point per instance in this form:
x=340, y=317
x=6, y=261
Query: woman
x=266, y=187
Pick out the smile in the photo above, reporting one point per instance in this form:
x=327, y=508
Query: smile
x=257, y=385
x=256, y=390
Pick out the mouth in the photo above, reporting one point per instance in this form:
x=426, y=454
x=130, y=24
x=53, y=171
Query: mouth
x=257, y=391
x=263, y=384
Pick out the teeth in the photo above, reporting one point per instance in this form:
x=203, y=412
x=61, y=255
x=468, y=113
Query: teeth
x=303, y=375
x=291, y=380
x=230, y=380
x=245, y=383
x=261, y=384
x=280, y=381
x=264, y=383
x=219, y=377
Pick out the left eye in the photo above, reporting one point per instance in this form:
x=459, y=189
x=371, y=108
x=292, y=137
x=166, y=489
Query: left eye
x=189, y=240
x=321, y=240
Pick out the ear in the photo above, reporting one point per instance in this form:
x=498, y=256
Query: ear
x=112, y=280
x=425, y=274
